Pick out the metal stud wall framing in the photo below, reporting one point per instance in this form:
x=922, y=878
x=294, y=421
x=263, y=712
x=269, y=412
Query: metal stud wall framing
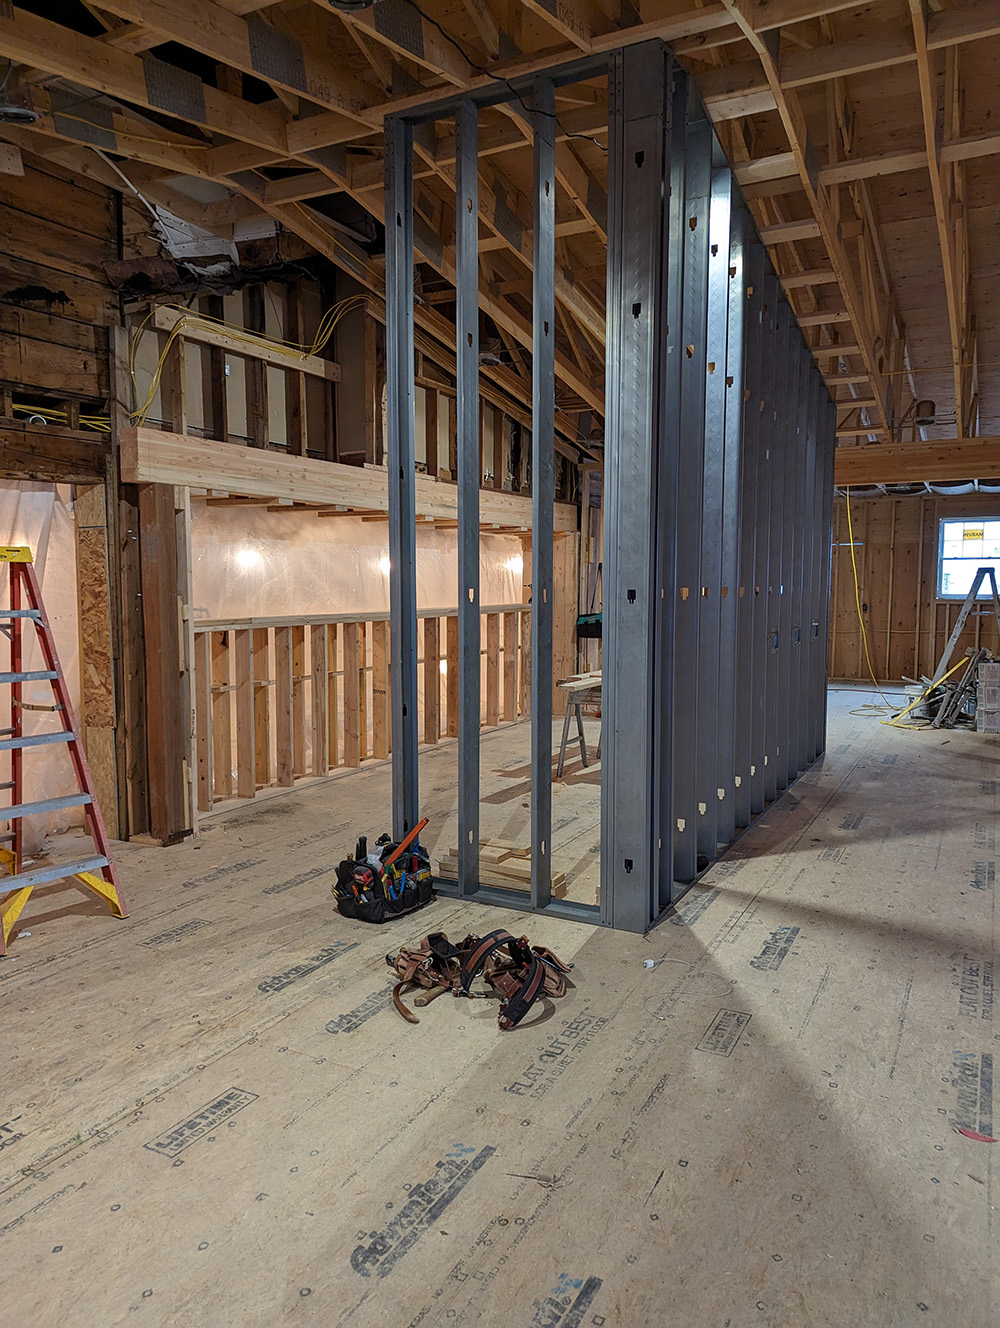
x=718, y=495
x=467, y=417
x=543, y=380
x=718, y=465
x=401, y=472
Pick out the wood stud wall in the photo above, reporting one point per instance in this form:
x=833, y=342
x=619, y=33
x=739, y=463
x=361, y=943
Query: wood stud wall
x=276, y=702
x=896, y=549
x=212, y=371
x=248, y=706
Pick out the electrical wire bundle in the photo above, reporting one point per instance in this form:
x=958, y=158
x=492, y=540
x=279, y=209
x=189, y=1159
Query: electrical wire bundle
x=190, y=320
x=101, y=423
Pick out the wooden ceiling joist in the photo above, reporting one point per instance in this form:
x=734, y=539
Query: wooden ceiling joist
x=123, y=76
x=843, y=191
x=945, y=214
x=793, y=121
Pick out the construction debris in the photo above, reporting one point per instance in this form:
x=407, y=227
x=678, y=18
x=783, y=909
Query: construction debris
x=503, y=864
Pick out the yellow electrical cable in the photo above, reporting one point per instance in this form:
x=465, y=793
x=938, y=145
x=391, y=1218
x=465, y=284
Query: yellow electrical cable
x=253, y=340
x=857, y=601
x=100, y=423
x=918, y=728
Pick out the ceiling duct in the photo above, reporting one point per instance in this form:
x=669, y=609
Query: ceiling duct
x=17, y=115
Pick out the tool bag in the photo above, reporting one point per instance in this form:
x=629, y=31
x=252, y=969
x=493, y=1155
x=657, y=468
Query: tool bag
x=518, y=971
x=372, y=888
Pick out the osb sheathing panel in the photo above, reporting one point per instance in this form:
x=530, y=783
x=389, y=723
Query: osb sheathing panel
x=229, y=1123
x=97, y=703
x=99, y=744
x=96, y=684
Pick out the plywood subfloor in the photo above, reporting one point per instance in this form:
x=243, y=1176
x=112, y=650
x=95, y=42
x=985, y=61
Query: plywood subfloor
x=214, y=1117
x=505, y=801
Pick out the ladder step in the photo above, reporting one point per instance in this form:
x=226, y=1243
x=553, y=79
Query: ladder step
x=20, y=613
x=49, y=805
x=53, y=873
x=34, y=740
x=41, y=676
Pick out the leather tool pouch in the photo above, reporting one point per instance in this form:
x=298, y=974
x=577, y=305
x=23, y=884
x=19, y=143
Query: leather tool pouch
x=519, y=972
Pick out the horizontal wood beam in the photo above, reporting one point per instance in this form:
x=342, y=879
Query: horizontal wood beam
x=816, y=276
x=823, y=318
x=905, y=463
x=52, y=453
x=970, y=147
x=787, y=232
x=840, y=59
x=869, y=168
x=166, y=319
x=781, y=165
x=735, y=90
x=838, y=351
x=149, y=456
x=969, y=21
x=758, y=169
x=765, y=15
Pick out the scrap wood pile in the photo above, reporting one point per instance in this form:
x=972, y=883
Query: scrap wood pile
x=502, y=864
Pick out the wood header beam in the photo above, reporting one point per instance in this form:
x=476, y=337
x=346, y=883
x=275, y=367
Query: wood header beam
x=906, y=463
x=149, y=456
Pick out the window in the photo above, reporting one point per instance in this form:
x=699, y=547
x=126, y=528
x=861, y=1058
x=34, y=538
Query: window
x=964, y=546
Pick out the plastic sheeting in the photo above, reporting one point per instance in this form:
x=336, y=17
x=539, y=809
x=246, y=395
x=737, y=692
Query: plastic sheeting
x=251, y=563
x=41, y=516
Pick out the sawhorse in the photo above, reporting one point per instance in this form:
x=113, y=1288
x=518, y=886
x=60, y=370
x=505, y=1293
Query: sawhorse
x=581, y=691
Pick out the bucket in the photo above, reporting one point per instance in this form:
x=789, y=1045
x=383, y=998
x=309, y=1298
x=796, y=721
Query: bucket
x=912, y=694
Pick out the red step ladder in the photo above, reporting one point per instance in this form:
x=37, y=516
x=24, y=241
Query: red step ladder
x=96, y=872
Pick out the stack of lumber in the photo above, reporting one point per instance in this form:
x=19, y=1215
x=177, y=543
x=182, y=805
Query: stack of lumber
x=580, y=681
x=504, y=865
